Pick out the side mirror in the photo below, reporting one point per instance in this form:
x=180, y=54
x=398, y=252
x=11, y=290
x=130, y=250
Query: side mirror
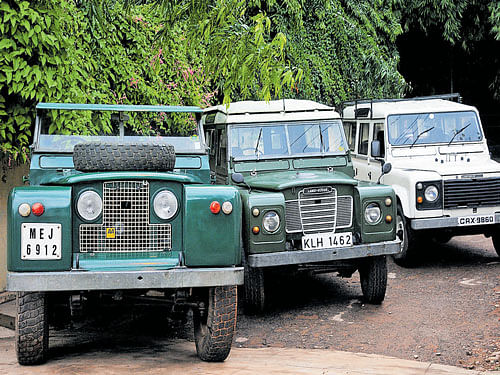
x=386, y=168
x=237, y=178
x=376, y=149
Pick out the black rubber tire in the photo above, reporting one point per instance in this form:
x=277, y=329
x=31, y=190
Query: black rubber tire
x=254, y=287
x=408, y=254
x=32, y=328
x=214, y=330
x=373, y=276
x=496, y=242
x=95, y=156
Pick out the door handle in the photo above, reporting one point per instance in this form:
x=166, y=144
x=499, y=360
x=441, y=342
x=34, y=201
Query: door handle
x=370, y=175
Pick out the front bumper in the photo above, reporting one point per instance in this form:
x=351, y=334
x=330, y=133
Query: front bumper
x=108, y=280
x=283, y=258
x=443, y=222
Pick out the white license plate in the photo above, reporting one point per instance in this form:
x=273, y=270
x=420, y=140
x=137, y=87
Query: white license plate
x=40, y=241
x=476, y=220
x=326, y=240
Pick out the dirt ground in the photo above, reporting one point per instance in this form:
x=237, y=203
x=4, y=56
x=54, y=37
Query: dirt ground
x=445, y=310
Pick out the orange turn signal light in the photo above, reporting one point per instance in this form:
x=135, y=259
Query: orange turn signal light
x=420, y=199
x=37, y=209
x=255, y=230
x=215, y=207
x=388, y=219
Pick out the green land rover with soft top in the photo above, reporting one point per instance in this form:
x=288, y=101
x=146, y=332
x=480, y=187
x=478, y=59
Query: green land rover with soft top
x=120, y=204
x=302, y=207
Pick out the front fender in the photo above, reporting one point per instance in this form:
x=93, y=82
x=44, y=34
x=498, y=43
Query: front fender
x=263, y=242
x=57, y=203
x=211, y=239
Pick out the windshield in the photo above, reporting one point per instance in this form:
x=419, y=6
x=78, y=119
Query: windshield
x=430, y=128
x=258, y=141
x=60, y=131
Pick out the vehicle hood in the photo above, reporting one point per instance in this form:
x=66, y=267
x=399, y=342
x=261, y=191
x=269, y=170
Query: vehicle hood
x=281, y=180
x=449, y=166
x=457, y=159
x=75, y=178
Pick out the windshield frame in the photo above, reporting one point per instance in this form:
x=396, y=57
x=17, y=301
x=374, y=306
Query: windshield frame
x=409, y=145
x=36, y=148
x=257, y=125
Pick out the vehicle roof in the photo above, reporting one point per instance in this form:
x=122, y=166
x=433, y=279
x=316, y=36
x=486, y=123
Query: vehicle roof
x=119, y=107
x=275, y=110
x=382, y=109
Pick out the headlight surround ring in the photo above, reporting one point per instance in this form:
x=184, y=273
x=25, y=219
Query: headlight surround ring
x=431, y=193
x=373, y=213
x=89, y=205
x=271, y=221
x=165, y=204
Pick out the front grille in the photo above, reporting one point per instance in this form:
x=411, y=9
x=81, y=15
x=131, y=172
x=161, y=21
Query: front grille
x=472, y=192
x=318, y=212
x=126, y=213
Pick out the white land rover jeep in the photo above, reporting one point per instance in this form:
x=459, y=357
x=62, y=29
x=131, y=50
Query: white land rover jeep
x=444, y=178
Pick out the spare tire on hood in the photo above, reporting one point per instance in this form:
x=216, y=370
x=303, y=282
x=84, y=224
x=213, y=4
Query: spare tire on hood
x=96, y=156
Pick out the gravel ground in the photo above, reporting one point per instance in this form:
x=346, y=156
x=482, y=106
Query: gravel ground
x=445, y=310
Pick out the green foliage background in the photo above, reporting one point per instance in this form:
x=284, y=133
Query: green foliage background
x=198, y=52
x=51, y=52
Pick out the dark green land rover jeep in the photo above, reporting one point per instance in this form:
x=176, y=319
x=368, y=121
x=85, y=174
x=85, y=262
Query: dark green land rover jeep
x=302, y=208
x=126, y=209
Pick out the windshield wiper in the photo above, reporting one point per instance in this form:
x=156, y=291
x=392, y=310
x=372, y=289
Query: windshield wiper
x=256, y=152
x=321, y=138
x=458, y=132
x=420, y=134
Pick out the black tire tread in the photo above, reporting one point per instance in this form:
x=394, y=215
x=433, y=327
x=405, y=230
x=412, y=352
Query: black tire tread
x=373, y=275
x=96, y=156
x=408, y=257
x=254, y=287
x=32, y=330
x=215, y=344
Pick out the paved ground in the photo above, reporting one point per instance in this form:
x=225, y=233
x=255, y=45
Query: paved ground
x=178, y=357
x=444, y=312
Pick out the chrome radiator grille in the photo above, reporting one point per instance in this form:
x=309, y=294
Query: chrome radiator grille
x=468, y=192
x=126, y=214
x=318, y=210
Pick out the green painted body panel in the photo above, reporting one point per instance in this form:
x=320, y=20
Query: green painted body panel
x=366, y=193
x=263, y=242
x=116, y=176
x=57, y=203
x=279, y=181
x=332, y=161
x=211, y=239
x=127, y=261
x=266, y=165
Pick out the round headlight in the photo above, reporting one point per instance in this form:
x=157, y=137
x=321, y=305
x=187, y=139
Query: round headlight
x=165, y=204
x=271, y=221
x=89, y=205
x=372, y=213
x=431, y=193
